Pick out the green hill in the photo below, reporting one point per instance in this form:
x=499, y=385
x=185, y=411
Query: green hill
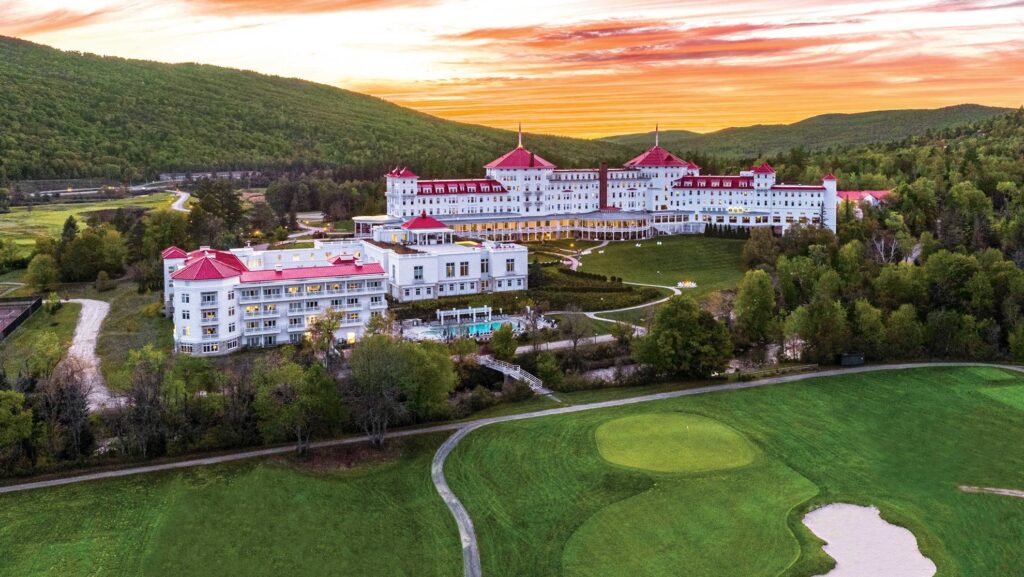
x=815, y=133
x=72, y=115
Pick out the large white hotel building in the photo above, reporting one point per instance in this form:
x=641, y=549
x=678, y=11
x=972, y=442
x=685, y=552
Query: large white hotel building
x=524, y=197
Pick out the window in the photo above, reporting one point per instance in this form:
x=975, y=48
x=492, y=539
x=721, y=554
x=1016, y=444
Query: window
x=209, y=315
x=231, y=296
x=270, y=324
x=464, y=268
x=295, y=322
x=352, y=317
x=449, y=269
x=208, y=298
x=211, y=347
x=293, y=339
x=231, y=311
x=292, y=290
x=336, y=303
x=185, y=315
x=184, y=298
x=232, y=344
x=186, y=332
x=250, y=293
x=185, y=348
x=485, y=266
x=352, y=302
x=354, y=286
x=313, y=288
x=312, y=305
x=269, y=341
x=417, y=273
x=510, y=265
x=252, y=325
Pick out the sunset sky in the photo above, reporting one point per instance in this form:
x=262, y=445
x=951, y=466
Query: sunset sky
x=579, y=68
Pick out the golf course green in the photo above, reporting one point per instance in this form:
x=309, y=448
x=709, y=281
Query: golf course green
x=717, y=484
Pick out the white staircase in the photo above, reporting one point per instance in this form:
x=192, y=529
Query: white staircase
x=517, y=373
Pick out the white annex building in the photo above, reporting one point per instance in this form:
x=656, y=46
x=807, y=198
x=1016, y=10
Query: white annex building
x=423, y=259
x=524, y=197
x=222, y=301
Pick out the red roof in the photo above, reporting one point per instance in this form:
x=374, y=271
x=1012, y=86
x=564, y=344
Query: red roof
x=765, y=168
x=798, y=187
x=332, y=271
x=657, y=156
x=692, y=165
x=206, y=268
x=423, y=222
x=343, y=259
x=460, y=186
x=829, y=176
x=714, y=181
x=859, y=195
x=173, y=252
x=223, y=256
x=401, y=173
x=519, y=158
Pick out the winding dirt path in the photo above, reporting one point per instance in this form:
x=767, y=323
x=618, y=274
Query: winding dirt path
x=83, y=347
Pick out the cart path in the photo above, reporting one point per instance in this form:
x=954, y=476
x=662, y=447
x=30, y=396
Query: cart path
x=83, y=346
x=993, y=491
x=637, y=329
x=179, y=204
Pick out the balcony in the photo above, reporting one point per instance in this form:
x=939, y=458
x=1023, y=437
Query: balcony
x=208, y=320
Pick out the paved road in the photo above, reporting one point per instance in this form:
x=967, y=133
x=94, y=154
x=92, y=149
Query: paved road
x=83, y=347
x=179, y=203
x=637, y=329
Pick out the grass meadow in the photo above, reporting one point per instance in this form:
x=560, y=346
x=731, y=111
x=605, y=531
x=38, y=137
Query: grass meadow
x=24, y=224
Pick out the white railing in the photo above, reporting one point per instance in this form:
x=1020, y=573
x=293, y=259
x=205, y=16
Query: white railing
x=515, y=372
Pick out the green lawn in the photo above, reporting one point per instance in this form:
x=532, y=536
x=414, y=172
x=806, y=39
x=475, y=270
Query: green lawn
x=545, y=501
x=24, y=225
x=253, y=519
x=713, y=263
x=133, y=322
x=18, y=346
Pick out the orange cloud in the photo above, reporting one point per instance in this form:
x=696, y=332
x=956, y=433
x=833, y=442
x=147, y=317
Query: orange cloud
x=14, y=24
x=249, y=7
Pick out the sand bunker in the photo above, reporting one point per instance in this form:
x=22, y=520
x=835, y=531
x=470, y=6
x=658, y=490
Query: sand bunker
x=865, y=545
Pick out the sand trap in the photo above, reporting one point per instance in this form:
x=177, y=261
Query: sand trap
x=865, y=545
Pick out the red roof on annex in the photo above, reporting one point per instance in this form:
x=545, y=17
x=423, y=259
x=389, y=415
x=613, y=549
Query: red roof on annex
x=423, y=222
x=333, y=271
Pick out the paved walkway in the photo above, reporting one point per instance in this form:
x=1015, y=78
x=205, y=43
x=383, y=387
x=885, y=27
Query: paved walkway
x=83, y=347
x=179, y=203
x=637, y=329
x=990, y=490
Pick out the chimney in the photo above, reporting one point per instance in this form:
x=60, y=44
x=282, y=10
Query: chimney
x=602, y=184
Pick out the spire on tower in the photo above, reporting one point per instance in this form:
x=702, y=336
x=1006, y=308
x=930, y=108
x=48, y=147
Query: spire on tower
x=656, y=135
x=520, y=135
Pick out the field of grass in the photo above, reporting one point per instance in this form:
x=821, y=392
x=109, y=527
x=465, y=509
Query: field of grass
x=133, y=322
x=253, y=519
x=19, y=345
x=713, y=263
x=545, y=499
x=24, y=225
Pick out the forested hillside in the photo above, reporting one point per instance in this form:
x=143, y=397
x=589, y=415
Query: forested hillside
x=71, y=115
x=816, y=133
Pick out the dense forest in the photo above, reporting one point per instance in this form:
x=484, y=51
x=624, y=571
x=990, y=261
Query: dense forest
x=815, y=133
x=71, y=115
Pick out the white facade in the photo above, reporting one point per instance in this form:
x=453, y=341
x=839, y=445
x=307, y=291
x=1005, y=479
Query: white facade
x=222, y=301
x=662, y=194
x=422, y=260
